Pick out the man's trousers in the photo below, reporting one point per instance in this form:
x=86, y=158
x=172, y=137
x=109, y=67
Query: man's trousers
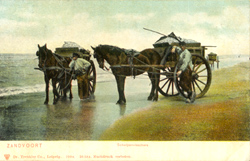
x=186, y=80
x=83, y=87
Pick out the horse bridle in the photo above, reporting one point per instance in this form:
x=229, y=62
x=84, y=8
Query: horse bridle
x=44, y=68
x=100, y=57
x=58, y=61
x=43, y=62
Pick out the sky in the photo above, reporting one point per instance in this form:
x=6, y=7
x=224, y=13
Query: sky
x=26, y=23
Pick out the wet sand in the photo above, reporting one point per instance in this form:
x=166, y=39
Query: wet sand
x=221, y=115
x=25, y=117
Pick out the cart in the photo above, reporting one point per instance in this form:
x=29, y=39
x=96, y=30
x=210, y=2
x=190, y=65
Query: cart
x=85, y=54
x=169, y=84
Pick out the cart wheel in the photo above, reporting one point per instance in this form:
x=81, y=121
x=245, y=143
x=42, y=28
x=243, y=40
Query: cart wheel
x=61, y=84
x=166, y=83
x=58, y=88
x=201, y=76
x=92, y=78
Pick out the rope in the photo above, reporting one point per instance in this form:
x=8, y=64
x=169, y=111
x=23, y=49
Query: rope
x=66, y=80
x=55, y=67
x=136, y=68
x=145, y=63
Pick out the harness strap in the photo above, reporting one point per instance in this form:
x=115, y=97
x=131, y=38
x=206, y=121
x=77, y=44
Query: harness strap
x=130, y=54
x=58, y=60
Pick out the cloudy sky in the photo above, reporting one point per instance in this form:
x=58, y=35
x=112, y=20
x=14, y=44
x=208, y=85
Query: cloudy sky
x=26, y=23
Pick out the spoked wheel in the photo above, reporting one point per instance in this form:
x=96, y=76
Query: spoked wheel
x=63, y=82
x=59, y=89
x=59, y=86
x=201, y=77
x=166, y=83
x=92, y=78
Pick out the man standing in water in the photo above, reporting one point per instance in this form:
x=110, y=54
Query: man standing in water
x=80, y=67
x=185, y=72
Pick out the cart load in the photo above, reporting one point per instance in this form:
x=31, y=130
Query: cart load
x=193, y=46
x=71, y=47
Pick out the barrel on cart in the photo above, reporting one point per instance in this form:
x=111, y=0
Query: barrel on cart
x=85, y=54
x=212, y=57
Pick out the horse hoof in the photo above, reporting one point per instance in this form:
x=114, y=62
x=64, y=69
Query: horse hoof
x=155, y=99
x=55, y=101
x=150, y=98
x=121, y=102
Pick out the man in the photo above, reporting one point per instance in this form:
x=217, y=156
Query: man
x=80, y=67
x=185, y=72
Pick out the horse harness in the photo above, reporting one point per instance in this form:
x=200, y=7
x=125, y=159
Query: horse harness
x=61, y=67
x=131, y=54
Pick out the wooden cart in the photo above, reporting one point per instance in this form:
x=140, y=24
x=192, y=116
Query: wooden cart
x=68, y=51
x=201, y=72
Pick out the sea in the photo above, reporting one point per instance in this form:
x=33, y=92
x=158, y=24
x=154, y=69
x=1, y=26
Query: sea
x=19, y=76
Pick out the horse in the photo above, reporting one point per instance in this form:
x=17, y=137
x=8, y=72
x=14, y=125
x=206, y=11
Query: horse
x=54, y=68
x=117, y=56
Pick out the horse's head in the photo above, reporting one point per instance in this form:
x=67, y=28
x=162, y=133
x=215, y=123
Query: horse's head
x=99, y=56
x=42, y=54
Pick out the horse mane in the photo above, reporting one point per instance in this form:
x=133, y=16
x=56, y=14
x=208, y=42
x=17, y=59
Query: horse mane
x=54, y=57
x=113, y=49
x=49, y=52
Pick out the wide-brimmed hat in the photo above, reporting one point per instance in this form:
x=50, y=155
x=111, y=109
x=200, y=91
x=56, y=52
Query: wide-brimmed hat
x=75, y=54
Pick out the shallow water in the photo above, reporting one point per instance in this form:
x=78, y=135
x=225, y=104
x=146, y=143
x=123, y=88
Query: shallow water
x=25, y=117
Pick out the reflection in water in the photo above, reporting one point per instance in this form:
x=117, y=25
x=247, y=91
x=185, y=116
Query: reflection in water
x=122, y=109
x=8, y=129
x=26, y=118
x=21, y=122
x=66, y=121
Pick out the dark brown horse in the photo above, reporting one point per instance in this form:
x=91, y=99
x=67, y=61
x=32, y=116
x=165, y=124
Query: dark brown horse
x=54, y=68
x=117, y=56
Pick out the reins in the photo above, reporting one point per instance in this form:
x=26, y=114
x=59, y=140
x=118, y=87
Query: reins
x=133, y=68
x=61, y=67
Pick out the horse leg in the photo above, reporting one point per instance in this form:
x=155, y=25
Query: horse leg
x=154, y=78
x=120, y=80
x=56, y=95
x=70, y=90
x=157, y=79
x=151, y=77
x=47, y=91
x=65, y=93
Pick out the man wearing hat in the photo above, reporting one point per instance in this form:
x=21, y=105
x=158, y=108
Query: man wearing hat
x=80, y=67
x=185, y=72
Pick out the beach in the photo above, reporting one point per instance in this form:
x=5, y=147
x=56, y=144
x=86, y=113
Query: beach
x=221, y=115
x=23, y=116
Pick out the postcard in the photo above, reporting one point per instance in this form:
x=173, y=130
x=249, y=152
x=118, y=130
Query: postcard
x=124, y=80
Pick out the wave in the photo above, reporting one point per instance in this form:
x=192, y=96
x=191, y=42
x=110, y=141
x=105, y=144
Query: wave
x=15, y=90
x=8, y=91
